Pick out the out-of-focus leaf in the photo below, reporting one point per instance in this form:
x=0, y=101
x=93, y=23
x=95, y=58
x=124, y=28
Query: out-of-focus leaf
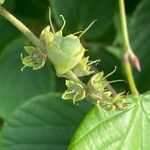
x=131, y=5
x=33, y=13
x=7, y=33
x=17, y=86
x=0, y=140
x=43, y=123
x=119, y=130
x=31, y=8
x=116, y=51
x=79, y=14
x=140, y=40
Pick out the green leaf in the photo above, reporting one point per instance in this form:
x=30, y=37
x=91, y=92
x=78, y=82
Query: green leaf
x=43, y=123
x=130, y=6
x=17, y=86
x=33, y=13
x=0, y=140
x=139, y=36
x=79, y=14
x=32, y=8
x=119, y=130
x=7, y=33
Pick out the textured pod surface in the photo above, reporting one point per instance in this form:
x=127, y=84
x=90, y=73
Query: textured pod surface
x=64, y=52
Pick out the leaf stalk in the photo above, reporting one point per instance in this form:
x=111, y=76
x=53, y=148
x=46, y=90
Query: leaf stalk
x=128, y=50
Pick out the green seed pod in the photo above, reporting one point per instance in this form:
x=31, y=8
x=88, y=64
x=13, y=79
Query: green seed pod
x=65, y=52
x=36, y=58
x=1, y=2
x=75, y=91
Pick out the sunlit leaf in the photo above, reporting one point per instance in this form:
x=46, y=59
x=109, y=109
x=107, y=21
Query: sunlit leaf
x=119, y=130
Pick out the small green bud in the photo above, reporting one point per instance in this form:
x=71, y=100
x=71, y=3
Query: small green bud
x=106, y=105
x=119, y=101
x=97, y=83
x=103, y=100
x=106, y=95
x=102, y=97
x=118, y=98
x=75, y=91
x=83, y=68
x=36, y=59
x=110, y=103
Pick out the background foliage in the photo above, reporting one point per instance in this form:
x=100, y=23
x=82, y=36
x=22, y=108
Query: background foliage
x=29, y=121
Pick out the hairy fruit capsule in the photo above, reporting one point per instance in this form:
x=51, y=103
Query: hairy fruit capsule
x=64, y=52
x=83, y=68
x=75, y=91
x=36, y=59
